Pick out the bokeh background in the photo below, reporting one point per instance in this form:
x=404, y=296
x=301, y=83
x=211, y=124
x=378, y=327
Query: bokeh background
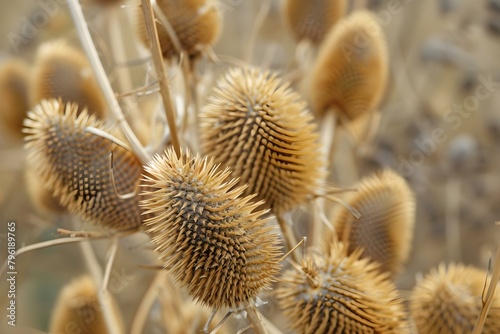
x=441, y=52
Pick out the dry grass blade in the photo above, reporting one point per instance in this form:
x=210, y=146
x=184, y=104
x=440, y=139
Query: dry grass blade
x=77, y=165
x=210, y=238
x=337, y=292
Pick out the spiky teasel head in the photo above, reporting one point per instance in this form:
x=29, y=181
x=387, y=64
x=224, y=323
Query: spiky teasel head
x=385, y=229
x=260, y=128
x=14, y=78
x=210, y=237
x=350, y=74
x=63, y=72
x=314, y=18
x=92, y=176
x=78, y=309
x=195, y=22
x=336, y=292
x=448, y=300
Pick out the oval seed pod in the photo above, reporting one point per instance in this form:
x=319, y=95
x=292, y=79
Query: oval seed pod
x=210, y=238
x=14, y=78
x=448, y=301
x=78, y=310
x=195, y=23
x=340, y=293
x=92, y=176
x=385, y=229
x=256, y=125
x=63, y=72
x=314, y=18
x=350, y=74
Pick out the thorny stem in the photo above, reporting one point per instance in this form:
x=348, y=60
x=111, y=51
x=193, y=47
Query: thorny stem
x=255, y=320
x=102, y=79
x=152, y=32
x=490, y=294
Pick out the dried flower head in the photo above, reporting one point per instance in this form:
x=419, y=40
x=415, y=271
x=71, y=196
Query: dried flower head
x=210, y=238
x=314, y=18
x=256, y=125
x=41, y=196
x=14, y=78
x=385, y=229
x=340, y=293
x=78, y=309
x=92, y=176
x=195, y=23
x=63, y=72
x=350, y=75
x=448, y=300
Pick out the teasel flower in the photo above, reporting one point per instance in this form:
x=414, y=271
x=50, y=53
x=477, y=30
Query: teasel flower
x=14, y=79
x=208, y=235
x=94, y=176
x=449, y=299
x=63, y=72
x=194, y=23
x=260, y=128
x=340, y=293
x=78, y=309
x=384, y=231
x=311, y=20
x=350, y=75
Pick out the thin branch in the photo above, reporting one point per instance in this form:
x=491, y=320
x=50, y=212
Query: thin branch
x=152, y=32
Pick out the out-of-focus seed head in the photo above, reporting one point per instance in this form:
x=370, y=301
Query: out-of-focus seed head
x=340, y=293
x=78, y=308
x=385, y=230
x=14, y=78
x=41, y=196
x=76, y=165
x=256, y=125
x=314, y=18
x=63, y=72
x=350, y=75
x=195, y=22
x=210, y=238
x=448, y=301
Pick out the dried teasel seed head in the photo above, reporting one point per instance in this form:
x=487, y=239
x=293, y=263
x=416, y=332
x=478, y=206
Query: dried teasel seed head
x=350, y=74
x=14, y=78
x=78, y=308
x=63, y=72
x=195, y=22
x=256, y=125
x=210, y=238
x=92, y=176
x=385, y=229
x=340, y=293
x=314, y=18
x=448, y=300
x=41, y=196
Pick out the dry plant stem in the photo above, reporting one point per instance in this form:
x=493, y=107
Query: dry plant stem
x=453, y=186
x=141, y=314
x=152, y=33
x=100, y=74
x=315, y=226
x=109, y=265
x=259, y=20
x=269, y=326
x=288, y=235
x=112, y=323
x=255, y=319
x=488, y=300
x=219, y=325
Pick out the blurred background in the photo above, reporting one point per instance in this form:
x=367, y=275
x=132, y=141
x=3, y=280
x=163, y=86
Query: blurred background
x=444, y=58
